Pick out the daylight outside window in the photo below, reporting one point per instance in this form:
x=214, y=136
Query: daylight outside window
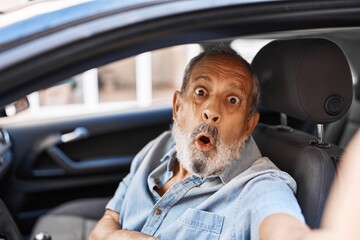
x=146, y=80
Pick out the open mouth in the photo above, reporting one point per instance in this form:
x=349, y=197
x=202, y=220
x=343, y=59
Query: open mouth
x=204, y=139
x=205, y=142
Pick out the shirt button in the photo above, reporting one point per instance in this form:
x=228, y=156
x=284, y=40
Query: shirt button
x=158, y=211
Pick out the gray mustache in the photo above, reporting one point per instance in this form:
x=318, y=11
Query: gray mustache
x=206, y=128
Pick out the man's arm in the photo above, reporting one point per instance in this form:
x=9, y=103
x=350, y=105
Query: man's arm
x=108, y=228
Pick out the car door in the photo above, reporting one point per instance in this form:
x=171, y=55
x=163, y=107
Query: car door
x=65, y=159
x=79, y=149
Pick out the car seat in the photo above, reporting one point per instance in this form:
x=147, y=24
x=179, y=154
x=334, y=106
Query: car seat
x=72, y=220
x=340, y=132
x=310, y=80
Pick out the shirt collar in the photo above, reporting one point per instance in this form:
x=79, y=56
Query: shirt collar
x=248, y=156
x=170, y=158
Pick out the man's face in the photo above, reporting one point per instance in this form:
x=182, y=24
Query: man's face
x=211, y=117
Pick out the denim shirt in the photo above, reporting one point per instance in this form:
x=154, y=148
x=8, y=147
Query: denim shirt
x=230, y=205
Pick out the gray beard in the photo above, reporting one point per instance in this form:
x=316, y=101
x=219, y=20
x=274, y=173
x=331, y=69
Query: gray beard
x=202, y=163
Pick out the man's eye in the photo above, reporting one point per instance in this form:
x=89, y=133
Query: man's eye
x=200, y=91
x=233, y=100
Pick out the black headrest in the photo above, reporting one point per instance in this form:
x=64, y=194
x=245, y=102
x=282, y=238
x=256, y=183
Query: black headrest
x=308, y=79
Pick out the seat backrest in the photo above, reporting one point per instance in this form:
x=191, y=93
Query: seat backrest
x=340, y=132
x=310, y=80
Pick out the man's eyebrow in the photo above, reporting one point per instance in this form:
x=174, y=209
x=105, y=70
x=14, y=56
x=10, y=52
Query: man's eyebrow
x=238, y=86
x=202, y=77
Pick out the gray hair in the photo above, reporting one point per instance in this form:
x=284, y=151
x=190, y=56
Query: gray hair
x=221, y=49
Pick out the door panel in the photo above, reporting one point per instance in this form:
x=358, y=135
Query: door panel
x=64, y=159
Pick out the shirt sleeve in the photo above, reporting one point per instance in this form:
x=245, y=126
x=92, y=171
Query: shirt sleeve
x=269, y=194
x=116, y=201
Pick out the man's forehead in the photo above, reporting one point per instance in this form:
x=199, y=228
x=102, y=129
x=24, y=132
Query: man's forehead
x=223, y=61
x=224, y=58
x=224, y=65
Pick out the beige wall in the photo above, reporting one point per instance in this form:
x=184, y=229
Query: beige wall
x=117, y=81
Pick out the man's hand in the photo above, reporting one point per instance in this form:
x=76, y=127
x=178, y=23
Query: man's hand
x=108, y=228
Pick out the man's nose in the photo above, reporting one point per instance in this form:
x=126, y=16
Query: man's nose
x=211, y=114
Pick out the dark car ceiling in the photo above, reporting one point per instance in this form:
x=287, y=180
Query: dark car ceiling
x=54, y=66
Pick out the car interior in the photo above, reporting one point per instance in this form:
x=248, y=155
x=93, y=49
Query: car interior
x=56, y=175
x=340, y=132
x=310, y=159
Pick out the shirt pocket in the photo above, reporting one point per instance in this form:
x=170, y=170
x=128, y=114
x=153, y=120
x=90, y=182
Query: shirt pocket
x=195, y=224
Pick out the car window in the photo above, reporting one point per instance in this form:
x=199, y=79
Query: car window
x=145, y=80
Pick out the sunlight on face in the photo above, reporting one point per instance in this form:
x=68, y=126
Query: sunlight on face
x=204, y=163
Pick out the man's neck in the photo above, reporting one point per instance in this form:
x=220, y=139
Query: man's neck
x=180, y=173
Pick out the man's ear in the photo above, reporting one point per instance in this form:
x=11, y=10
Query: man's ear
x=176, y=104
x=252, y=122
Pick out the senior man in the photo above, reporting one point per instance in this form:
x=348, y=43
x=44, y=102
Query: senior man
x=206, y=179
